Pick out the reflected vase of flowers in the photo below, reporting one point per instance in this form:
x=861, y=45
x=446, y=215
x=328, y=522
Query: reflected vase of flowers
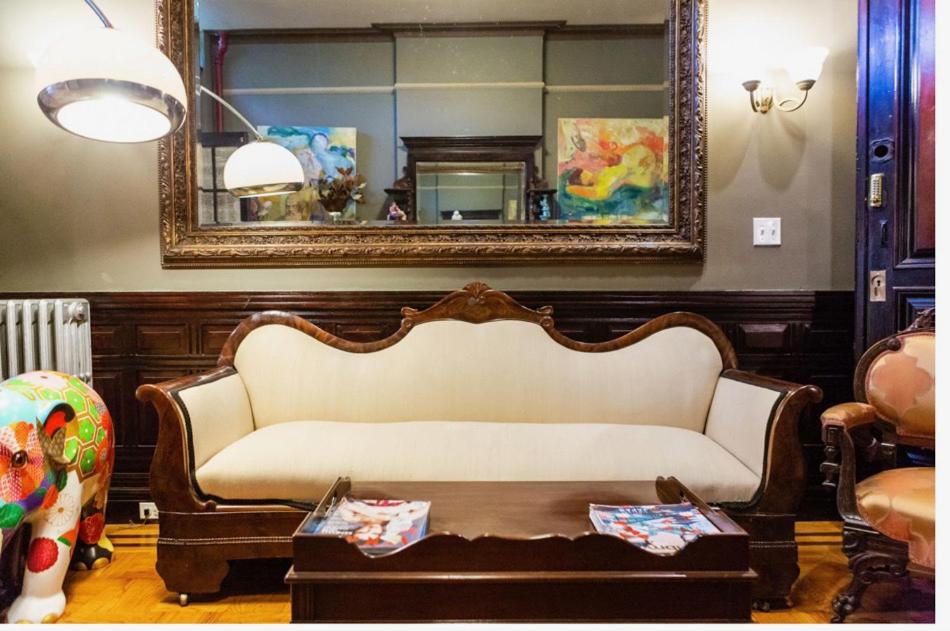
x=339, y=194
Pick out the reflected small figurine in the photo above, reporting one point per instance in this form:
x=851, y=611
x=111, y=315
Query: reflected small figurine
x=545, y=210
x=396, y=213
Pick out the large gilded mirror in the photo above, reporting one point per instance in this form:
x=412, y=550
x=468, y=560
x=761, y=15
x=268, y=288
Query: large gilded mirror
x=486, y=131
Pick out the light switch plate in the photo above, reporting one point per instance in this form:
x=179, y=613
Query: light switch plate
x=766, y=231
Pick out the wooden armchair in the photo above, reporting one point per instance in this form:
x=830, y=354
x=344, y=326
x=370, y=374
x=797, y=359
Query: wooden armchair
x=888, y=512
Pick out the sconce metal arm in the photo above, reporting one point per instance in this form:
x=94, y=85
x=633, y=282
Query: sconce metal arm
x=99, y=14
x=790, y=105
x=231, y=109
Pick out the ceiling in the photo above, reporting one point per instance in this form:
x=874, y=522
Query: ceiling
x=242, y=14
x=28, y=26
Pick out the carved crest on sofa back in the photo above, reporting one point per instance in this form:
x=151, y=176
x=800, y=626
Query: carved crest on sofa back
x=477, y=303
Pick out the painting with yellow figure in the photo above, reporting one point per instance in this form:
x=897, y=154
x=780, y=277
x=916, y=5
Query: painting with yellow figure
x=614, y=170
x=321, y=151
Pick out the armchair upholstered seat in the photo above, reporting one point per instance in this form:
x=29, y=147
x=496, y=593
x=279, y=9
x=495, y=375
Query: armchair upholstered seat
x=475, y=388
x=899, y=503
x=889, y=516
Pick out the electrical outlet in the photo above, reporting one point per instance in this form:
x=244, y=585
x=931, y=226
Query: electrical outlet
x=148, y=511
x=766, y=231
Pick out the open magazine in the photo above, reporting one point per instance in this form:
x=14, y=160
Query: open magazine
x=376, y=526
x=658, y=528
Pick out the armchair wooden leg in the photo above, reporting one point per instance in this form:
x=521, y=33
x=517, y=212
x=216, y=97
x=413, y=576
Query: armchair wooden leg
x=866, y=568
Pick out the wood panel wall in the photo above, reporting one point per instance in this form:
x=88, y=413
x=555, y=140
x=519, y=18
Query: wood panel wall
x=138, y=337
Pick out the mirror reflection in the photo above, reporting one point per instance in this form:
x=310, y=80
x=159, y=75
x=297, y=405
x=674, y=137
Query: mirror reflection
x=474, y=192
x=348, y=86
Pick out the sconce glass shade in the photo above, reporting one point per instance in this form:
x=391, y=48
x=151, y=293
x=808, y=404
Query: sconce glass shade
x=806, y=65
x=104, y=84
x=262, y=168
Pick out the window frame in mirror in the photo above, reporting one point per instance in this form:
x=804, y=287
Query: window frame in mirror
x=185, y=243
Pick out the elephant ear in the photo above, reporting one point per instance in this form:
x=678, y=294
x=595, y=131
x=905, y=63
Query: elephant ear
x=53, y=433
x=54, y=447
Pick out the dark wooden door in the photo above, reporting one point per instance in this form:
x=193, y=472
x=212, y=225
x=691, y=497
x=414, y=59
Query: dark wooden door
x=896, y=242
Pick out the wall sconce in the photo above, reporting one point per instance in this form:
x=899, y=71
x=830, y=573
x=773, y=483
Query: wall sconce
x=805, y=67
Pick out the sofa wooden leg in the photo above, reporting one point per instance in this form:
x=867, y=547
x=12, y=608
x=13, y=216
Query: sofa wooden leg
x=187, y=571
x=773, y=587
x=866, y=568
x=773, y=554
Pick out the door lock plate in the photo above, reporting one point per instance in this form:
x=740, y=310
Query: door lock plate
x=878, y=286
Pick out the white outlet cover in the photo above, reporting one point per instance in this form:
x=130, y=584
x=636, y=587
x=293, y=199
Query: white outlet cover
x=766, y=231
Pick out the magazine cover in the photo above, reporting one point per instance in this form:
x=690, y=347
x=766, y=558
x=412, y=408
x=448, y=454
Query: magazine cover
x=657, y=528
x=376, y=526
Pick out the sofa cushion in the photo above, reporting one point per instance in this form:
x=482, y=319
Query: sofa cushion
x=502, y=371
x=298, y=460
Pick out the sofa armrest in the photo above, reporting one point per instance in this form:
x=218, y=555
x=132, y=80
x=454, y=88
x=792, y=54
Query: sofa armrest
x=198, y=416
x=756, y=418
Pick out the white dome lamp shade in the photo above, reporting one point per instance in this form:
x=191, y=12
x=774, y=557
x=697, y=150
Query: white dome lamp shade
x=259, y=167
x=262, y=168
x=104, y=84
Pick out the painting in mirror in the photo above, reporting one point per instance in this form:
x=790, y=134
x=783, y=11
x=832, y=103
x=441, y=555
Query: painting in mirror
x=343, y=85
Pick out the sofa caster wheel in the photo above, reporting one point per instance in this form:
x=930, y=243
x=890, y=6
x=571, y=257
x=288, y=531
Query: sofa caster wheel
x=183, y=600
x=762, y=605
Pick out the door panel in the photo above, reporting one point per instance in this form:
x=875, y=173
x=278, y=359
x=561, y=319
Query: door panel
x=895, y=143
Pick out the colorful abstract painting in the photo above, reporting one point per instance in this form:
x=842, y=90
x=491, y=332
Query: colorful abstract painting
x=614, y=170
x=321, y=150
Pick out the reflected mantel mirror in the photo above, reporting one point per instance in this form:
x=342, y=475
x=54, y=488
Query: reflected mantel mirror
x=471, y=180
x=436, y=135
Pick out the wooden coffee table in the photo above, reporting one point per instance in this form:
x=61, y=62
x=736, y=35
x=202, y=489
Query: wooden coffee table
x=521, y=551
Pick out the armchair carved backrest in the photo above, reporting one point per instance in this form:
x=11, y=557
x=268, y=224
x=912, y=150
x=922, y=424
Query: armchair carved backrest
x=897, y=378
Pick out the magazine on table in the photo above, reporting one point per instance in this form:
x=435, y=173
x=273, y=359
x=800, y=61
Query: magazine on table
x=658, y=528
x=376, y=526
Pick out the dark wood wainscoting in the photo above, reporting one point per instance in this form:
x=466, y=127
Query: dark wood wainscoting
x=137, y=338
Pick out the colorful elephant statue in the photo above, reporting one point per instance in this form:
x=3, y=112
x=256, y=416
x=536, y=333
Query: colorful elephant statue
x=56, y=455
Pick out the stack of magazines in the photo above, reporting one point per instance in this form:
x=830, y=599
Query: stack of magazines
x=658, y=528
x=376, y=526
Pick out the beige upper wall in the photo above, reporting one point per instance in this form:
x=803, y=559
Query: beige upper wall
x=77, y=215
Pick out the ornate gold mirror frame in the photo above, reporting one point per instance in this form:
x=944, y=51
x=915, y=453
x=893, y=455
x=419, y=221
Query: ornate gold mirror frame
x=184, y=243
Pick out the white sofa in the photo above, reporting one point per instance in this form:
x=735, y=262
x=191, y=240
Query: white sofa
x=476, y=387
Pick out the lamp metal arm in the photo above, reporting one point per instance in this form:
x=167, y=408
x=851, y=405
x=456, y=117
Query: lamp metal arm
x=99, y=14
x=231, y=109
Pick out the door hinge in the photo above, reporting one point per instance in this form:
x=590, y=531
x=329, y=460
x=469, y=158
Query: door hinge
x=878, y=286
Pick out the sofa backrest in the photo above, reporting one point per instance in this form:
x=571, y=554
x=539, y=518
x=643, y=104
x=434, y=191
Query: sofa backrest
x=494, y=371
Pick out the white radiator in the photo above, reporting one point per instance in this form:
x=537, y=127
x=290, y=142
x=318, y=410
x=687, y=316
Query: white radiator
x=49, y=334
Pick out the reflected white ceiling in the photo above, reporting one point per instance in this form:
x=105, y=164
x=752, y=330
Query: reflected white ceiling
x=241, y=14
x=28, y=26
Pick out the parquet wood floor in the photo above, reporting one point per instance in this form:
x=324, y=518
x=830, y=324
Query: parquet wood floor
x=129, y=590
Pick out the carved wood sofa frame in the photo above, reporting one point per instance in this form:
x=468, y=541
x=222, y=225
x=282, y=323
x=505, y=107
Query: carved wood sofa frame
x=857, y=445
x=198, y=536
